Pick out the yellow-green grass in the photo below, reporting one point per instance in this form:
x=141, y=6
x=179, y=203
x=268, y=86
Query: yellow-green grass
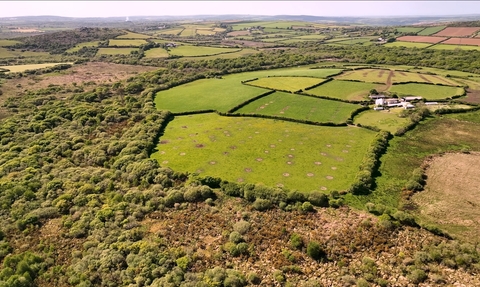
x=205, y=32
x=276, y=25
x=5, y=42
x=336, y=39
x=387, y=120
x=294, y=40
x=5, y=53
x=454, y=47
x=345, y=90
x=241, y=53
x=272, y=40
x=81, y=45
x=226, y=93
x=383, y=76
x=156, y=53
x=272, y=152
x=352, y=41
x=429, y=92
x=194, y=51
x=409, y=29
x=129, y=43
x=300, y=107
x=189, y=32
x=311, y=37
x=219, y=30
x=115, y=51
x=408, y=45
x=290, y=84
x=431, y=30
x=447, y=106
x=173, y=31
x=22, y=68
x=131, y=35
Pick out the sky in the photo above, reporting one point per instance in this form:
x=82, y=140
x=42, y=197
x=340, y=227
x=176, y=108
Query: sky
x=183, y=8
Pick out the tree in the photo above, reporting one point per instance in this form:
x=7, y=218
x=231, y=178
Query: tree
x=315, y=251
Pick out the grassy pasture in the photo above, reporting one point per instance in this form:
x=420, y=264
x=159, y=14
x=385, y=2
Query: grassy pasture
x=5, y=53
x=131, y=35
x=5, y=42
x=454, y=47
x=156, y=53
x=409, y=29
x=300, y=107
x=21, y=68
x=344, y=90
x=173, y=31
x=205, y=32
x=224, y=94
x=429, y=92
x=366, y=75
x=189, y=31
x=447, y=106
x=134, y=43
x=352, y=41
x=311, y=37
x=388, y=120
x=195, y=51
x=430, y=30
x=407, y=44
x=290, y=84
x=240, y=53
x=115, y=51
x=81, y=45
x=275, y=153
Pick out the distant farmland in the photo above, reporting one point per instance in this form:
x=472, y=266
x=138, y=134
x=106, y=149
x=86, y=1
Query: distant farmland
x=344, y=90
x=430, y=30
x=462, y=41
x=408, y=44
x=290, y=84
x=195, y=51
x=134, y=43
x=457, y=31
x=115, y=51
x=422, y=39
x=429, y=92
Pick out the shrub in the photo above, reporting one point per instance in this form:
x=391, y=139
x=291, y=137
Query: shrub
x=262, y=204
x=318, y=199
x=183, y=262
x=241, y=227
x=253, y=278
x=278, y=276
x=417, y=276
x=315, y=251
x=307, y=207
x=235, y=237
x=362, y=283
x=296, y=241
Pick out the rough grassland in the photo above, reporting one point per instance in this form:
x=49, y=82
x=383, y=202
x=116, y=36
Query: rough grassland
x=454, y=47
x=81, y=45
x=224, y=94
x=134, y=43
x=344, y=90
x=409, y=29
x=131, y=35
x=156, y=53
x=5, y=53
x=385, y=120
x=173, y=31
x=243, y=52
x=300, y=107
x=391, y=76
x=193, y=51
x=5, y=42
x=115, y=51
x=430, y=30
x=451, y=196
x=408, y=45
x=21, y=68
x=275, y=153
x=290, y=84
x=429, y=92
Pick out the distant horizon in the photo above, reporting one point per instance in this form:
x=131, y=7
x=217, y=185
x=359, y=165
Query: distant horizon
x=105, y=9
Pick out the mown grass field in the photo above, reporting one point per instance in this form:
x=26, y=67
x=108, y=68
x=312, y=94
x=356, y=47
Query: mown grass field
x=173, y=31
x=115, y=51
x=366, y=75
x=240, y=53
x=275, y=153
x=344, y=90
x=353, y=41
x=429, y=92
x=385, y=120
x=156, y=53
x=224, y=94
x=5, y=53
x=6, y=42
x=454, y=47
x=409, y=29
x=81, y=45
x=300, y=107
x=407, y=44
x=131, y=35
x=291, y=84
x=129, y=42
x=195, y=51
x=431, y=30
x=21, y=68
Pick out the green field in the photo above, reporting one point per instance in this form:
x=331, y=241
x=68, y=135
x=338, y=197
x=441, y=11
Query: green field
x=224, y=94
x=448, y=106
x=454, y=47
x=240, y=53
x=429, y=92
x=173, y=31
x=156, y=53
x=5, y=53
x=344, y=90
x=407, y=45
x=21, y=68
x=387, y=120
x=291, y=84
x=311, y=37
x=300, y=107
x=409, y=29
x=124, y=43
x=272, y=152
x=189, y=31
x=431, y=30
x=115, y=51
x=352, y=41
x=5, y=42
x=195, y=51
x=81, y=45
x=131, y=35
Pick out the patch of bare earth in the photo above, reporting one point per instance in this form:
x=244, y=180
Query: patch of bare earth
x=452, y=196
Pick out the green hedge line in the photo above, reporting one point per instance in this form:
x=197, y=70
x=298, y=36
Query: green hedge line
x=241, y=105
x=194, y=112
x=425, y=83
x=330, y=124
x=332, y=99
x=319, y=84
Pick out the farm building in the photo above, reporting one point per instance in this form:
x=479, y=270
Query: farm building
x=409, y=99
x=379, y=102
x=407, y=105
x=431, y=103
x=377, y=96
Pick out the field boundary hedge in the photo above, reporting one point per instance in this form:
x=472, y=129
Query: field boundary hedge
x=241, y=105
x=332, y=99
x=330, y=124
x=329, y=79
x=424, y=83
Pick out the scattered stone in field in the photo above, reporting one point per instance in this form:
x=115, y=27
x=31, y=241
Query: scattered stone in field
x=262, y=107
x=182, y=153
x=213, y=162
x=199, y=145
x=248, y=169
x=348, y=145
x=286, y=174
x=280, y=185
x=310, y=174
x=165, y=161
x=329, y=177
x=240, y=180
x=345, y=151
x=233, y=147
x=257, y=132
x=318, y=163
x=184, y=127
x=292, y=149
x=162, y=152
x=259, y=159
x=322, y=153
x=329, y=145
x=289, y=162
x=280, y=140
x=164, y=142
x=339, y=158
x=266, y=151
x=249, y=137
x=272, y=145
x=323, y=188
x=290, y=156
x=334, y=167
